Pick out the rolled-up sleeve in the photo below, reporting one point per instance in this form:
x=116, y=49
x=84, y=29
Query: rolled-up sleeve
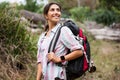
x=38, y=56
x=68, y=39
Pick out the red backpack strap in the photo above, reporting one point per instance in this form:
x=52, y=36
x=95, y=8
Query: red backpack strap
x=84, y=38
x=85, y=64
x=80, y=33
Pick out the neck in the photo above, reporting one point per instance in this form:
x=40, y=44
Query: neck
x=51, y=25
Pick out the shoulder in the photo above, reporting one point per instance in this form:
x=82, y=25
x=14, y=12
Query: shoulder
x=65, y=29
x=66, y=33
x=41, y=37
x=72, y=26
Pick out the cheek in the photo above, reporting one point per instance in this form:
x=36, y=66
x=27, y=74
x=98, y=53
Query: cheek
x=60, y=13
x=47, y=16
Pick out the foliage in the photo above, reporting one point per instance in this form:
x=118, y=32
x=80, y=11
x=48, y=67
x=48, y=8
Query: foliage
x=117, y=14
x=19, y=7
x=17, y=47
x=31, y=5
x=40, y=10
x=104, y=16
x=66, y=4
x=80, y=13
x=108, y=4
x=14, y=38
x=108, y=12
x=3, y=5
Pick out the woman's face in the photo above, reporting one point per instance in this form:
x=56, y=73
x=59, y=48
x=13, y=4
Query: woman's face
x=54, y=14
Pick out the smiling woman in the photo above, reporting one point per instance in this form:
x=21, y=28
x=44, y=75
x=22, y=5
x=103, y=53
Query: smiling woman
x=48, y=61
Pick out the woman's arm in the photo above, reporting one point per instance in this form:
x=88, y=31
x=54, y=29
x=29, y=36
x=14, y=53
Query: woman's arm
x=39, y=71
x=73, y=55
x=68, y=39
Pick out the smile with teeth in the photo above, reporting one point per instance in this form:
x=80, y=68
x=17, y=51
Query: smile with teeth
x=56, y=16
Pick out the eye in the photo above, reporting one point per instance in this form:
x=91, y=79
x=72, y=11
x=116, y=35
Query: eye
x=52, y=9
x=58, y=9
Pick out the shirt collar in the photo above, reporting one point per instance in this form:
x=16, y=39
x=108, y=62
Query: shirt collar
x=56, y=27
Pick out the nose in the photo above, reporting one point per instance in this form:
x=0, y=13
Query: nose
x=56, y=11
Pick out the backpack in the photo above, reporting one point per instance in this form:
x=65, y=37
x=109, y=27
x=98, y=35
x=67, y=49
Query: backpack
x=77, y=67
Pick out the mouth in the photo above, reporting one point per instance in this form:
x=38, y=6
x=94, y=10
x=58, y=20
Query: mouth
x=56, y=16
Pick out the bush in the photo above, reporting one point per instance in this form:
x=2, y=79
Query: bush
x=104, y=16
x=17, y=48
x=80, y=13
x=117, y=14
x=14, y=39
x=3, y=5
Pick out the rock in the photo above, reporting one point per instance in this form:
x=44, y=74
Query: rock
x=34, y=17
x=115, y=26
x=107, y=33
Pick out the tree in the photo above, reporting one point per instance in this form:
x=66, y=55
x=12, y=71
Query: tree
x=66, y=4
x=108, y=4
x=31, y=5
x=3, y=5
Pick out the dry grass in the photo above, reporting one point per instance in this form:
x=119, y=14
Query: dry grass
x=106, y=56
x=16, y=68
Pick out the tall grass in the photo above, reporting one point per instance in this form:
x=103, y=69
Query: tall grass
x=13, y=34
x=17, y=48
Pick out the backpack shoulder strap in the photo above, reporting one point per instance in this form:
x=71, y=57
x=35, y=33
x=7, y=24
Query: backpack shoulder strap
x=54, y=40
x=71, y=25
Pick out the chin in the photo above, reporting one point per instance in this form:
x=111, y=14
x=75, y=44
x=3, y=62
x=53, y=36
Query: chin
x=56, y=21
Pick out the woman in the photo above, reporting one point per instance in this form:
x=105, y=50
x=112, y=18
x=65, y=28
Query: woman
x=51, y=71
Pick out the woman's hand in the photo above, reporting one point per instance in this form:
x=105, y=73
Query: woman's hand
x=52, y=57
